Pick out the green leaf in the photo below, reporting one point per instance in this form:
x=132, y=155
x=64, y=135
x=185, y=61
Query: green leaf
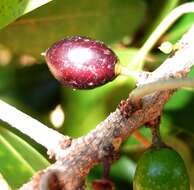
x=10, y=10
x=108, y=21
x=91, y=106
x=126, y=55
x=19, y=161
x=179, y=100
x=123, y=170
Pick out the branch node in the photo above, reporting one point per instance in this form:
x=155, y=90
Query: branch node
x=127, y=107
x=64, y=143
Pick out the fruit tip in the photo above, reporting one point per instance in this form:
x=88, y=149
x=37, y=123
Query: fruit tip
x=43, y=54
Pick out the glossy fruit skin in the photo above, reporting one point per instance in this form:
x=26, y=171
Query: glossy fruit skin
x=81, y=62
x=161, y=169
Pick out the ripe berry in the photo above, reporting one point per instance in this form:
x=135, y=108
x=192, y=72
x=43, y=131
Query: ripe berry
x=81, y=62
x=161, y=169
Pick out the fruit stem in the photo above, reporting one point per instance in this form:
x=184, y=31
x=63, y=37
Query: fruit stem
x=154, y=125
x=156, y=137
x=122, y=70
x=159, y=31
x=106, y=168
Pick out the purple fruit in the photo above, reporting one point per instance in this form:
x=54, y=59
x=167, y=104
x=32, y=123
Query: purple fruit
x=81, y=62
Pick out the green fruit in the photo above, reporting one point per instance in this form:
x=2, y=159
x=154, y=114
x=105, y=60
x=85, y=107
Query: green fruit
x=161, y=169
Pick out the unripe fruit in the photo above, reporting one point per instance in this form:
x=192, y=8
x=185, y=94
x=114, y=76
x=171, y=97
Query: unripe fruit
x=161, y=169
x=81, y=62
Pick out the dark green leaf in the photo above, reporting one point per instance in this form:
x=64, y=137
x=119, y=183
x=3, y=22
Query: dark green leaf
x=107, y=20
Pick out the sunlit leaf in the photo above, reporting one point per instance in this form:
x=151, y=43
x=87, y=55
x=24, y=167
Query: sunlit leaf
x=18, y=159
x=10, y=10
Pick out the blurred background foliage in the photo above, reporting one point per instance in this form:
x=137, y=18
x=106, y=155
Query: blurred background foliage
x=26, y=82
